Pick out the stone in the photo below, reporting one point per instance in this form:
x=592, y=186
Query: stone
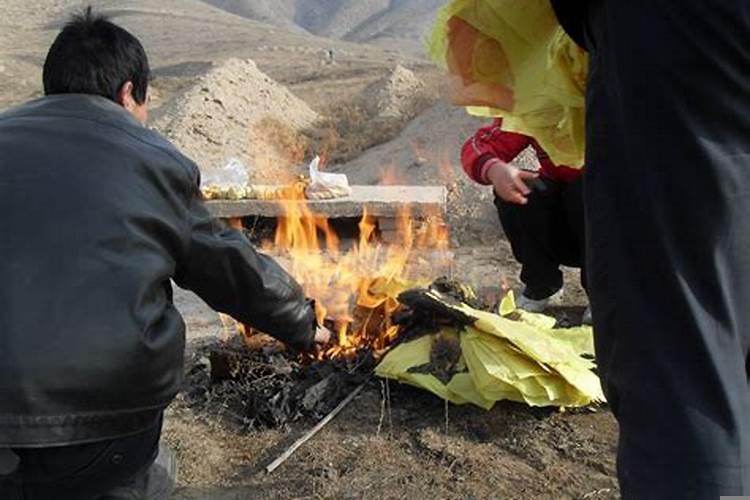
x=379, y=201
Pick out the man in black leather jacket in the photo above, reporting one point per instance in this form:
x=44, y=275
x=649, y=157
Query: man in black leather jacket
x=98, y=215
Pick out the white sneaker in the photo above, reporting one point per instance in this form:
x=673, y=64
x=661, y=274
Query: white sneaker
x=537, y=306
x=586, y=319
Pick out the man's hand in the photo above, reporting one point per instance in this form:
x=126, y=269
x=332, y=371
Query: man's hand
x=322, y=335
x=509, y=181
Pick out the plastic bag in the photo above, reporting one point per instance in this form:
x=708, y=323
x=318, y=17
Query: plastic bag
x=233, y=174
x=227, y=183
x=326, y=186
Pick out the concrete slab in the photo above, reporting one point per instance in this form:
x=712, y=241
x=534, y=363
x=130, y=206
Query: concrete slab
x=380, y=201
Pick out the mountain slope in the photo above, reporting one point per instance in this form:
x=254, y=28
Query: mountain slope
x=405, y=21
x=182, y=38
x=392, y=23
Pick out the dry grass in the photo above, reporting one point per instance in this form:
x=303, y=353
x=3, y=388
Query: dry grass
x=289, y=144
x=345, y=132
x=350, y=128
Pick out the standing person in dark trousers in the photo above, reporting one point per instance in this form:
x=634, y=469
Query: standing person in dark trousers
x=667, y=200
x=98, y=215
x=540, y=205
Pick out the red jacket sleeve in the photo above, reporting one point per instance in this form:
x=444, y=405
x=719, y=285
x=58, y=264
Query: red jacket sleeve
x=488, y=143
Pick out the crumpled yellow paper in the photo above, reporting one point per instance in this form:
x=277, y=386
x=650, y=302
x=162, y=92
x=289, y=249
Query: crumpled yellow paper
x=399, y=363
x=522, y=359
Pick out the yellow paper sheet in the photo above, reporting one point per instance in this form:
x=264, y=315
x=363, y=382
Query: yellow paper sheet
x=511, y=58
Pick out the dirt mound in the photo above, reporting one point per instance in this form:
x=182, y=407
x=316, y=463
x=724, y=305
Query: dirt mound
x=394, y=96
x=236, y=110
x=428, y=153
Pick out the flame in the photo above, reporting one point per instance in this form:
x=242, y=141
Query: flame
x=355, y=286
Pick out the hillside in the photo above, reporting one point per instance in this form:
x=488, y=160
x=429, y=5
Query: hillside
x=395, y=24
x=427, y=153
x=169, y=30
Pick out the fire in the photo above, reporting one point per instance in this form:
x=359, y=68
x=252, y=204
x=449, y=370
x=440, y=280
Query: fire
x=355, y=286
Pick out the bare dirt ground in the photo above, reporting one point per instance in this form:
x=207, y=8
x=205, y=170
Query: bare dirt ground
x=511, y=451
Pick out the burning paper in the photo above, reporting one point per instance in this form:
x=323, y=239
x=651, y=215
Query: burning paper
x=355, y=286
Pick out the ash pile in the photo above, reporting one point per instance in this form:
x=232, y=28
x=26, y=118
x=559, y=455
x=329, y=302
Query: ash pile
x=251, y=389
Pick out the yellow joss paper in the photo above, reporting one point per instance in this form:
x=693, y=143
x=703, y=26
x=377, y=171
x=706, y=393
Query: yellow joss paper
x=512, y=59
x=523, y=359
x=403, y=364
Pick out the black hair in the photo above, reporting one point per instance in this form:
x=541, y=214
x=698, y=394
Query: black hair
x=92, y=55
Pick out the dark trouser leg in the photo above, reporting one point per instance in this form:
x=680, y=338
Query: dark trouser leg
x=530, y=230
x=80, y=472
x=667, y=209
x=574, y=236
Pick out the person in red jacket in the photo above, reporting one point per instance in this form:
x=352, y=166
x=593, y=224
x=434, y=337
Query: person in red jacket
x=540, y=205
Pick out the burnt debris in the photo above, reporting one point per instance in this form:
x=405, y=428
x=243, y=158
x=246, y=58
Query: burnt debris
x=260, y=389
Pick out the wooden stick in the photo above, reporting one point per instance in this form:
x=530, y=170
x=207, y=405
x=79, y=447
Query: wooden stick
x=288, y=453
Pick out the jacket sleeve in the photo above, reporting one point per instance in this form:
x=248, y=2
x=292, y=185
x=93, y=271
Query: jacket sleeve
x=475, y=153
x=222, y=267
x=488, y=143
